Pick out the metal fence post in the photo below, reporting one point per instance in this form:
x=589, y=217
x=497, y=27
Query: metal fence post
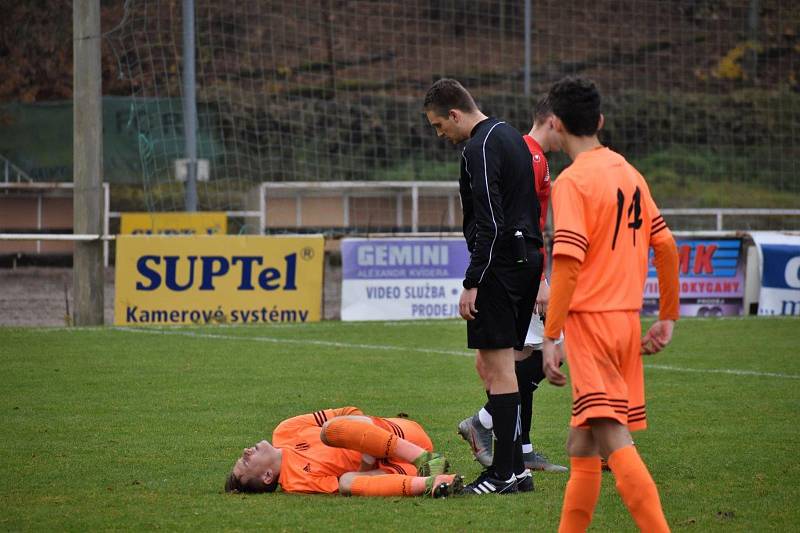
x=415, y=208
x=527, y=67
x=189, y=105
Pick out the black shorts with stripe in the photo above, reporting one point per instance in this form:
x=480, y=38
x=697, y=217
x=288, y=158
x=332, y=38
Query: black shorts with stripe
x=505, y=300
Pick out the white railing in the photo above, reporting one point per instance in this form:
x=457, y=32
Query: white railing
x=719, y=212
x=39, y=190
x=303, y=191
x=398, y=190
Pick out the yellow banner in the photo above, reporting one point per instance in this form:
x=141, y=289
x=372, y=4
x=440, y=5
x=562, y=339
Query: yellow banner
x=203, y=223
x=218, y=279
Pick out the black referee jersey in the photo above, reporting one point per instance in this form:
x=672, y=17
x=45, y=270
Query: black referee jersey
x=498, y=195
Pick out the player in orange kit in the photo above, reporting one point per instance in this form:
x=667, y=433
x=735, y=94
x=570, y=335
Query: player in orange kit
x=605, y=222
x=342, y=450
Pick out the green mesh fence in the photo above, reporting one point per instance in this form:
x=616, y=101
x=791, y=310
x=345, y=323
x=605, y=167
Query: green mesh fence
x=702, y=95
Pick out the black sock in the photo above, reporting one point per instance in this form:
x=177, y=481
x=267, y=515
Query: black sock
x=529, y=374
x=505, y=414
x=533, y=368
x=519, y=462
x=488, y=405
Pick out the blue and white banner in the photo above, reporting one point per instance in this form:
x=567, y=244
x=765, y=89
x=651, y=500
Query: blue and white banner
x=401, y=279
x=779, y=267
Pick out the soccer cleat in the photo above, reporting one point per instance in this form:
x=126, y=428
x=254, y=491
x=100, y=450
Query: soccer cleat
x=442, y=489
x=537, y=461
x=479, y=438
x=525, y=481
x=487, y=483
x=431, y=464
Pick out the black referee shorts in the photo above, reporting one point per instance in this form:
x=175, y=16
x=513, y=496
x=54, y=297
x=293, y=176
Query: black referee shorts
x=505, y=303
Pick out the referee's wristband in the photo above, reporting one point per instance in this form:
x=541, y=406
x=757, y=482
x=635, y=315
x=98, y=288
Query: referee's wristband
x=469, y=283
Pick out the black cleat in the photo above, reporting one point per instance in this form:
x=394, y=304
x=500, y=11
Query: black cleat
x=487, y=483
x=444, y=489
x=525, y=481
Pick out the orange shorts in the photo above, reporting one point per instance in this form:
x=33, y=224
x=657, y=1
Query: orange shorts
x=605, y=367
x=405, y=429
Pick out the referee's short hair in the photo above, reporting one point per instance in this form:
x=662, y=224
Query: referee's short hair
x=576, y=101
x=446, y=94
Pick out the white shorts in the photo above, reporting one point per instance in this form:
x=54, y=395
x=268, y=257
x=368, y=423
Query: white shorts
x=535, y=335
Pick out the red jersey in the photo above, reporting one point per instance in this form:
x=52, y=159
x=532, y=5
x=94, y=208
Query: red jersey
x=541, y=178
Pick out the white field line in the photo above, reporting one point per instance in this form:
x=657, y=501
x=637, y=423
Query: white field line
x=319, y=325
x=385, y=347
x=305, y=342
x=724, y=371
x=324, y=324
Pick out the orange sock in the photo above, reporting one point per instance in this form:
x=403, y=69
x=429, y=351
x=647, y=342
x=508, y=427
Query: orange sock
x=638, y=490
x=386, y=485
x=361, y=436
x=580, y=498
x=396, y=485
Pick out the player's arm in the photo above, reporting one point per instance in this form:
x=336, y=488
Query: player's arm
x=667, y=264
x=543, y=194
x=484, y=166
x=542, y=297
x=569, y=250
x=564, y=279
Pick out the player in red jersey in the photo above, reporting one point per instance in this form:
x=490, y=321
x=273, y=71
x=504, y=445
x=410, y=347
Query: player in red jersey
x=342, y=450
x=541, y=139
x=477, y=429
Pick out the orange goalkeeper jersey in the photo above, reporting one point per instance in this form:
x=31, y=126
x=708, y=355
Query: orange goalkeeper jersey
x=605, y=217
x=308, y=465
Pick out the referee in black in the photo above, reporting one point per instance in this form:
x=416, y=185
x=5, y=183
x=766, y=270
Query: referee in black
x=501, y=214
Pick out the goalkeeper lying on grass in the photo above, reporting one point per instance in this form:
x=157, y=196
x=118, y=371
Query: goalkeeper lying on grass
x=342, y=450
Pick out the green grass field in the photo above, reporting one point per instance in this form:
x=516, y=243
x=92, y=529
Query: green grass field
x=136, y=429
